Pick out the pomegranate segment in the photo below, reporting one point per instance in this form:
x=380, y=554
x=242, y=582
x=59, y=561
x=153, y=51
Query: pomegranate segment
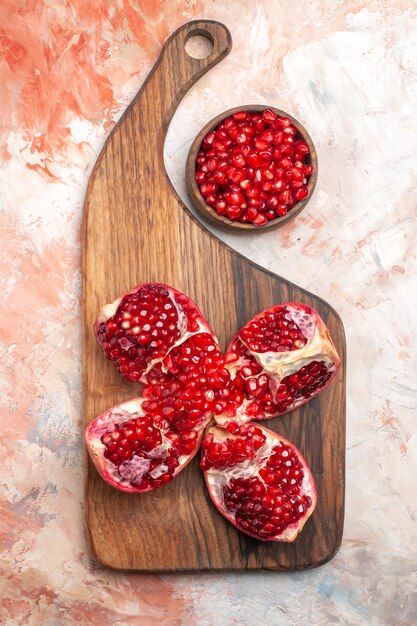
x=137, y=450
x=253, y=167
x=140, y=328
x=258, y=480
x=280, y=360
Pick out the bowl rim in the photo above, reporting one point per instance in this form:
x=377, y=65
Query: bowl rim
x=207, y=212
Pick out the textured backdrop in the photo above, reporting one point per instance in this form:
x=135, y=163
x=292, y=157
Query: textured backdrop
x=348, y=71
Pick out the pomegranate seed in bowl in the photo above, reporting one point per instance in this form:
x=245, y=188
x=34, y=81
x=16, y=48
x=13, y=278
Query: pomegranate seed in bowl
x=251, y=169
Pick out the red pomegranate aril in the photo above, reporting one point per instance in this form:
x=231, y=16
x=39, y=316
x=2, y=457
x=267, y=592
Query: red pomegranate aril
x=238, y=160
x=267, y=186
x=253, y=192
x=289, y=131
x=212, y=164
x=254, y=160
x=273, y=202
x=286, y=150
x=261, y=144
x=260, y=219
x=301, y=147
x=256, y=203
x=209, y=138
x=221, y=207
x=258, y=125
x=301, y=193
x=235, y=198
x=211, y=199
x=265, y=155
x=220, y=178
x=268, y=175
x=267, y=136
x=279, y=185
x=282, y=122
x=233, y=212
x=285, y=197
x=208, y=188
x=269, y=116
x=297, y=173
x=285, y=163
x=235, y=175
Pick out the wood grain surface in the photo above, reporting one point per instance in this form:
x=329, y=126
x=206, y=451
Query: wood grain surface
x=135, y=230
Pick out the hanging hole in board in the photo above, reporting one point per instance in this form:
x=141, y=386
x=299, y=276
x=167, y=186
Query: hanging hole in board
x=198, y=47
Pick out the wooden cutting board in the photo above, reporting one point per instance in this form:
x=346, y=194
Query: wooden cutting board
x=136, y=229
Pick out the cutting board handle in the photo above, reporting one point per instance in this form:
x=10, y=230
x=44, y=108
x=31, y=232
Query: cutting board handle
x=186, y=69
x=173, y=75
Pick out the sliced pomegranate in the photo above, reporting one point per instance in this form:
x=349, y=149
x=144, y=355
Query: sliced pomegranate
x=253, y=167
x=258, y=480
x=142, y=444
x=130, y=452
x=279, y=360
x=139, y=329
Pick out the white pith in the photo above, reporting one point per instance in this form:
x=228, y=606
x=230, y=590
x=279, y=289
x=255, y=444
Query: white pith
x=108, y=311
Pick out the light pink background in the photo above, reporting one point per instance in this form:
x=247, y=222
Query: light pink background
x=348, y=71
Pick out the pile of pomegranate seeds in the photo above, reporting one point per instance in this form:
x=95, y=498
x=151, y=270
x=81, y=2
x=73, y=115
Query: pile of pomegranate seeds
x=253, y=167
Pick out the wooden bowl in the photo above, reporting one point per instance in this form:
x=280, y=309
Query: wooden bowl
x=208, y=213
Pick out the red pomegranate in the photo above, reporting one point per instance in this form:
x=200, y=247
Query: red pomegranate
x=132, y=450
x=157, y=335
x=142, y=444
x=138, y=330
x=279, y=360
x=258, y=480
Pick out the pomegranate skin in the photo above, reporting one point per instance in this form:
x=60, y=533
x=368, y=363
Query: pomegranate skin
x=230, y=483
x=280, y=360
